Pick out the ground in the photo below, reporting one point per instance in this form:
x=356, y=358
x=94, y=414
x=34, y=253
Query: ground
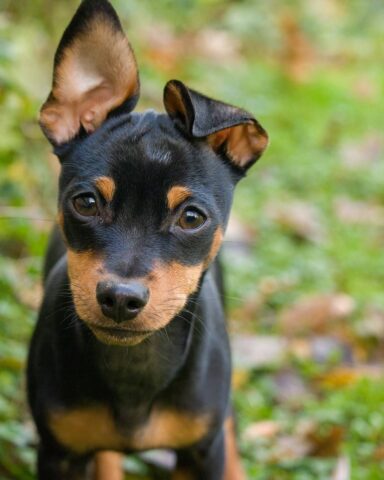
x=303, y=253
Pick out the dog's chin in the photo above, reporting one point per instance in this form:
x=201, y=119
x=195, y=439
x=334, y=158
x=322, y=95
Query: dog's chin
x=119, y=336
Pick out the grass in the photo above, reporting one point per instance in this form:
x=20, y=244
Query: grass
x=313, y=78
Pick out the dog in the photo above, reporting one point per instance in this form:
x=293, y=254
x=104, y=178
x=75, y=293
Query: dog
x=130, y=351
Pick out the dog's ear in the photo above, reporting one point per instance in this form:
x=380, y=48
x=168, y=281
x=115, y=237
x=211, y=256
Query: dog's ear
x=228, y=130
x=94, y=73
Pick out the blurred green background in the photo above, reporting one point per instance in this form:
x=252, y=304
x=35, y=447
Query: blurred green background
x=303, y=255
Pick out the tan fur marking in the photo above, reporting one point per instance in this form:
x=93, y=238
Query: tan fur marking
x=108, y=466
x=170, y=429
x=86, y=429
x=182, y=474
x=233, y=467
x=215, y=247
x=174, y=102
x=176, y=195
x=96, y=74
x=85, y=270
x=169, y=285
x=60, y=219
x=106, y=187
x=243, y=142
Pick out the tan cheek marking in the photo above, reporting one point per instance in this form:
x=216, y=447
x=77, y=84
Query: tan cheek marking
x=170, y=285
x=215, y=247
x=106, y=187
x=108, y=466
x=171, y=429
x=233, y=467
x=85, y=429
x=85, y=270
x=176, y=196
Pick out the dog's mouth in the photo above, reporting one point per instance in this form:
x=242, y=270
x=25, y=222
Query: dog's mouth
x=120, y=336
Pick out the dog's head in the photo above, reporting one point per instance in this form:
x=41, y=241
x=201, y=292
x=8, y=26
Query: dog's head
x=144, y=198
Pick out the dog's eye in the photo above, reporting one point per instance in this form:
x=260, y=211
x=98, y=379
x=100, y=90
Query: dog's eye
x=86, y=205
x=191, y=219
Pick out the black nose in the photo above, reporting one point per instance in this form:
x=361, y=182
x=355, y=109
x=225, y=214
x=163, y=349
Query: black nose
x=121, y=301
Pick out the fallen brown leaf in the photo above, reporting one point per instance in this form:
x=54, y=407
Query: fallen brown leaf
x=290, y=388
x=315, y=313
x=290, y=447
x=327, y=444
x=343, y=376
x=363, y=154
x=266, y=429
x=378, y=454
x=298, y=54
x=240, y=378
x=255, y=351
x=360, y=213
x=372, y=323
x=299, y=219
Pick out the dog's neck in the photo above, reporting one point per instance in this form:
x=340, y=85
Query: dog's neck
x=143, y=371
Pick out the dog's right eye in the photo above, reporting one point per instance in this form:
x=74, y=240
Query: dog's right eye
x=86, y=205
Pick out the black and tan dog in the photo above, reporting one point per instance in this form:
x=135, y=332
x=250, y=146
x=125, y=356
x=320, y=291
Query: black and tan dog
x=131, y=351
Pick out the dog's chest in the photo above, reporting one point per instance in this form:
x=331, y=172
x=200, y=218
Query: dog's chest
x=93, y=428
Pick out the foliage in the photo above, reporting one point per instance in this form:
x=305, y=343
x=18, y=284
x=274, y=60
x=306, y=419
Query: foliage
x=311, y=71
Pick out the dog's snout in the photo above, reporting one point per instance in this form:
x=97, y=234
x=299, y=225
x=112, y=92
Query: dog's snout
x=121, y=301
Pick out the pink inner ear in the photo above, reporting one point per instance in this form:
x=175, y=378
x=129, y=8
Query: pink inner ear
x=244, y=143
x=96, y=105
x=96, y=74
x=60, y=122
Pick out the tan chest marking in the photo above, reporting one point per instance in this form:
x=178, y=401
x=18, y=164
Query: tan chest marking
x=86, y=429
x=171, y=429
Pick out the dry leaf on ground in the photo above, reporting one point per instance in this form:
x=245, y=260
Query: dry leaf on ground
x=300, y=219
x=359, y=213
x=362, y=154
x=255, y=351
x=315, y=313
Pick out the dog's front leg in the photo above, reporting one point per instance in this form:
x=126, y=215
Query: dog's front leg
x=202, y=462
x=56, y=464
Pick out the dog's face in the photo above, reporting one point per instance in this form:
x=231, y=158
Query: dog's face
x=144, y=198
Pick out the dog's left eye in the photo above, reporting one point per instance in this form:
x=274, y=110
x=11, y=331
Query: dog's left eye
x=191, y=219
x=86, y=205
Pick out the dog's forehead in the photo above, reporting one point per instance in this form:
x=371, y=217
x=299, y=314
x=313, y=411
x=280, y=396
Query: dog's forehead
x=149, y=140
x=143, y=147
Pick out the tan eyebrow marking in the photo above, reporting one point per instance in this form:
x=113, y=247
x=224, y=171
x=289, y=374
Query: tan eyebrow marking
x=176, y=195
x=106, y=186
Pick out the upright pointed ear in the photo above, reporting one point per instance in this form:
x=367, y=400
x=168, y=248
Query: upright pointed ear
x=228, y=130
x=94, y=73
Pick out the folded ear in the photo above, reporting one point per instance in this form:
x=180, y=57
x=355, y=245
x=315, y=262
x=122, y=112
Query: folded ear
x=228, y=129
x=94, y=73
